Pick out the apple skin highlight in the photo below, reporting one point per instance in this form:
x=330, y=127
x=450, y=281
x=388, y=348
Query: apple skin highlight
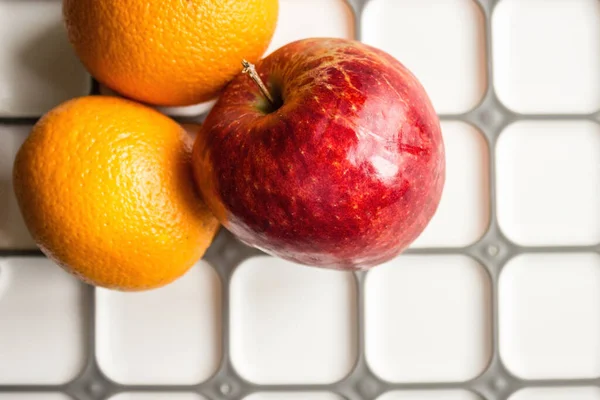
x=344, y=172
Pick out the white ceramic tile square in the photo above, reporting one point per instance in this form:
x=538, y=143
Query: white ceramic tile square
x=13, y=233
x=179, y=325
x=38, y=68
x=45, y=309
x=298, y=19
x=547, y=182
x=464, y=211
x=441, y=41
x=427, y=319
x=293, y=396
x=34, y=396
x=291, y=323
x=557, y=393
x=549, y=316
x=157, y=396
x=430, y=395
x=547, y=55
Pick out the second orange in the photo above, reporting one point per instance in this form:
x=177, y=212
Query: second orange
x=169, y=52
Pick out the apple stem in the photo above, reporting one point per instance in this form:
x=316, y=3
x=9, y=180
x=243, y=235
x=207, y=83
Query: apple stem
x=251, y=71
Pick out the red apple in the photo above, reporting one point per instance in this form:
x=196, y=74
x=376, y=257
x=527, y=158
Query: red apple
x=344, y=171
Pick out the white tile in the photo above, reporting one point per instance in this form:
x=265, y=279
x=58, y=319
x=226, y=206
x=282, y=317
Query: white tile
x=464, y=211
x=547, y=55
x=292, y=323
x=557, y=393
x=549, y=316
x=34, y=396
x=429, y=395
x=45, y=311
x=441, y=41
x=13, y=233
x=293, y=396
x=169, y=335
x=157, y=396
x=427, y=319
x=301, y=19
x=38, y=68
x=547, y=182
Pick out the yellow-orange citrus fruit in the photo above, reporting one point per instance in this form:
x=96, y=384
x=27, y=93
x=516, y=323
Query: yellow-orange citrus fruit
x=105, y=188
x=169, y=52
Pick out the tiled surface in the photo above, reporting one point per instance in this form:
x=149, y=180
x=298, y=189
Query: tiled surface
x=564, y=393
x=547, y=55
x=300, y=19
x=157, y=396
x=463, y=215
x=34, y=396
x=546, y=181
x=294, y=396
x=38, y=70
x=427, y=319
x=500, y=293
x=42, y=323
x=453, y=72
x=180, y=325
x=290, y=324
x=13, y=233
x=430, y=395
x=550, y=316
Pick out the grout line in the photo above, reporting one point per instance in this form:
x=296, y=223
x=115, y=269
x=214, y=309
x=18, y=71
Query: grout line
x=19, y=120
x=357, y=9
x=484, y=241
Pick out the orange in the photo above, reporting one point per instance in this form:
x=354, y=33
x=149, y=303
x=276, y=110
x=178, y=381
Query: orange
x=169, y=52
x=105, y=188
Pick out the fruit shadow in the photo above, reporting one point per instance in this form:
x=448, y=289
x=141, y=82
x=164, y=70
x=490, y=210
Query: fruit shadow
x=5, y=193
x=13, y=233
x=51, y=60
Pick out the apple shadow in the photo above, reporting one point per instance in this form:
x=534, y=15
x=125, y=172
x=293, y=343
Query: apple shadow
x=50, y=59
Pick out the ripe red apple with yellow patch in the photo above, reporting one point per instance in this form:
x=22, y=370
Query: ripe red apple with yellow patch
x=343, y=168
